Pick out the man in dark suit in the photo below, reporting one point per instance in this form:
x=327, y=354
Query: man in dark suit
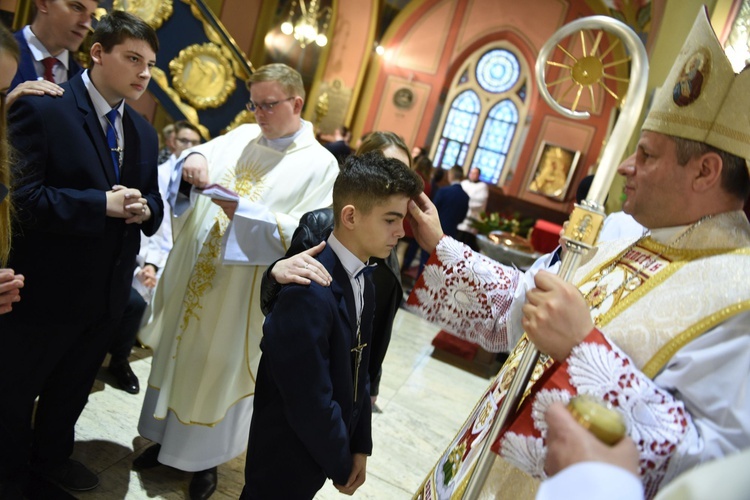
x=86, y=185
x=312, y=413
x=47, y=46
x=339, y=146
x=452, y=202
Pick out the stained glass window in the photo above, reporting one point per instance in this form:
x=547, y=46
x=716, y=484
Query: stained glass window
x=495, y=140
x=498, y=71
x=484, y=114
x=459, y=129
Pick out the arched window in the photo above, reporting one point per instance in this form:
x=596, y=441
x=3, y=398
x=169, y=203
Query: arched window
x=459, y=129
x=494, y=142
x=487, y=102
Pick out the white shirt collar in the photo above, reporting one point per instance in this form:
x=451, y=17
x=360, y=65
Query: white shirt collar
x=39, y=51
x=351, y=262
x=667, y=235
x=100, y=103
x=282, y=143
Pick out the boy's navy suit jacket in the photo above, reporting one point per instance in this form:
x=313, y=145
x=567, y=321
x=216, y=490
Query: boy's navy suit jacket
x=306, y=424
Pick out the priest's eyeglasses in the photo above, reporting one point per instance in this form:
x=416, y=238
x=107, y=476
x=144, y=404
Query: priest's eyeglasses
x=266, y=107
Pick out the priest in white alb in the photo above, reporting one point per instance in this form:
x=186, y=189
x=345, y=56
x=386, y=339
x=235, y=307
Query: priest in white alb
x=206, y=323
x=655, y=325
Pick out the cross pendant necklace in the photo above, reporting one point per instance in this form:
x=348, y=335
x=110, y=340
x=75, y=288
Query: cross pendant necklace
x=360, y=346
x=119, y=150
x=357, y=359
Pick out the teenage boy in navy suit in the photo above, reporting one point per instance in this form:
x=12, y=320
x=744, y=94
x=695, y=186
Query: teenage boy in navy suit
x=312, y=413
x=47, y=46
x=86, y=186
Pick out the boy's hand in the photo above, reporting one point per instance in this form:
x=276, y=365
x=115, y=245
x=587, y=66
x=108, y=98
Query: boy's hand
x=10, y=285
x=357, y=477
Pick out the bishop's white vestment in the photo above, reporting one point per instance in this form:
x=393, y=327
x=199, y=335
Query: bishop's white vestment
x=206, y=323
x=671, y=350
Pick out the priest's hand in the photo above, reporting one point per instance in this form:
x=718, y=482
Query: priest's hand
x=10, y=289
x=195, y=170
x=569, y=443
x=302, y=268
x=555, y=316
x=425, y=222
x=229, y=207
x=357, y=476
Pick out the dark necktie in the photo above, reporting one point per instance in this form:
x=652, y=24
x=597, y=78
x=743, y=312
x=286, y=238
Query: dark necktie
x=49, y=64
x=367, y=270
x=114, y=150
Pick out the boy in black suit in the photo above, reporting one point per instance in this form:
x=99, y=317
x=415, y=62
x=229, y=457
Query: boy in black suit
x=86, y=186
x=312, y=409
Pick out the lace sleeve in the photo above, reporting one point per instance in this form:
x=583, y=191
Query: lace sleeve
x=656, y=420
x=467, y=294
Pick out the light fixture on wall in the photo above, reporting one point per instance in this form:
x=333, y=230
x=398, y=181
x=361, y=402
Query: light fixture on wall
x=310, y=25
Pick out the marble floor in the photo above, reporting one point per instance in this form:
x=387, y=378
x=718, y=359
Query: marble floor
x=423, y=402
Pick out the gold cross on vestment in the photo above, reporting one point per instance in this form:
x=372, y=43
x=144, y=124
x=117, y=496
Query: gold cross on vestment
x=357, y=360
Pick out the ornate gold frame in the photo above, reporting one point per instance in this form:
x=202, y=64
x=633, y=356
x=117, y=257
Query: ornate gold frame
x=154, y=12
x=202, y=75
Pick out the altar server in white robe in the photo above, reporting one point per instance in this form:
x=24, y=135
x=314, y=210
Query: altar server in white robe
x=206, y=323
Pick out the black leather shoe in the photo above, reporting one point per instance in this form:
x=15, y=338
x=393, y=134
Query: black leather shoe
x=203, y=484
x=72, y=475
x=126, y=379
x=148, y=459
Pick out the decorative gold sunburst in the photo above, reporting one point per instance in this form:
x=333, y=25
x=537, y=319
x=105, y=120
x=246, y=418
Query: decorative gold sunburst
x=588, y=69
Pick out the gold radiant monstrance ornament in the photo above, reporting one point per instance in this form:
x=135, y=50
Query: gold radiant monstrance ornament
x=580, y=74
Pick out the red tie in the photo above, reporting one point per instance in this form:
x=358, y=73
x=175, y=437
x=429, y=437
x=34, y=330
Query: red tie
x=49, y=63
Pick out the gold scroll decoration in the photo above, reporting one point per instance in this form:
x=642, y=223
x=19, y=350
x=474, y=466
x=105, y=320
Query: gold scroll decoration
x=154, y=12
x=331, y=105
x=202, y=75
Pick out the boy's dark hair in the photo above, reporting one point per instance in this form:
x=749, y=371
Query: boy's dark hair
x=117, y=26
x=457, y=173
x=184, y=124
x=370, y=179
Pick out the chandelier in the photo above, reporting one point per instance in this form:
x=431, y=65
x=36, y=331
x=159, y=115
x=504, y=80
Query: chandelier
x=311, y=24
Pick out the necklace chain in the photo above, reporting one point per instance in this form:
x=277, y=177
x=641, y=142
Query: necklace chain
x=594, y=298
x=119, y=150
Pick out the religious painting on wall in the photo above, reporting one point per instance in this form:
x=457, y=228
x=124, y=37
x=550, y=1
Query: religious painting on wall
x=553, y=170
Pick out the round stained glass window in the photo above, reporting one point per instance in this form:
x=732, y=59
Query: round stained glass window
x=498, y=70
